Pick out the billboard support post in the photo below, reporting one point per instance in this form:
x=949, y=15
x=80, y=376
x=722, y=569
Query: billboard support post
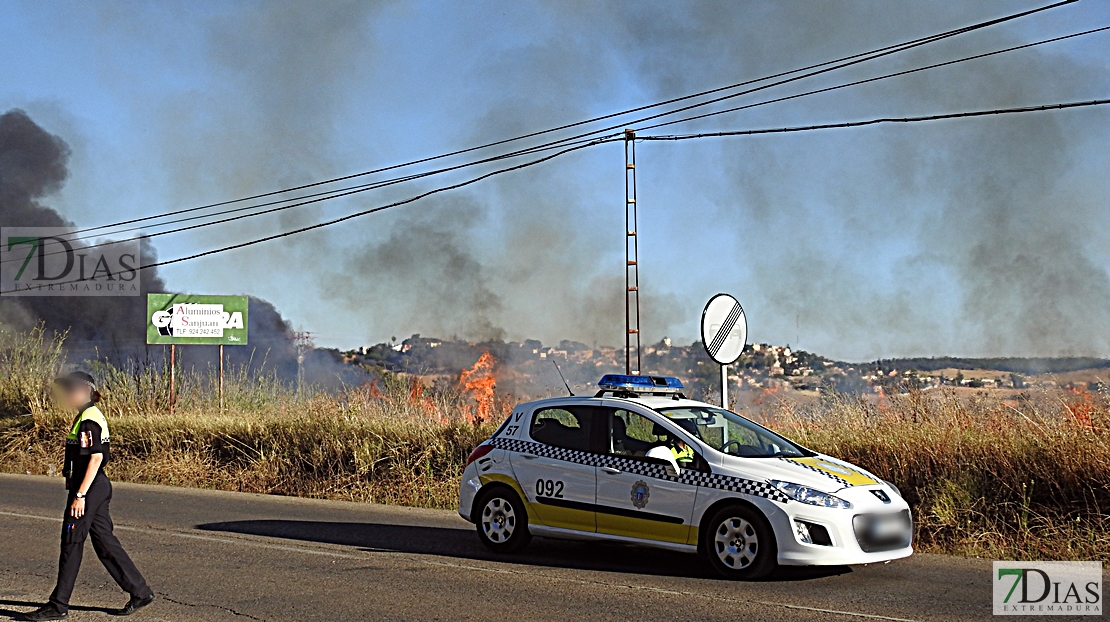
x=724, y=333
x=221, y=377
x=173, y=319
x=173, y=376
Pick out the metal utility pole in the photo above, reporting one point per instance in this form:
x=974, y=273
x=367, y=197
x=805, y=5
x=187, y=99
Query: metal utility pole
x=302, y=340
x=631, y=259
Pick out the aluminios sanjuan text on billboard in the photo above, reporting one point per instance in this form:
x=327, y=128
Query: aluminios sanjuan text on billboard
x=196, y=319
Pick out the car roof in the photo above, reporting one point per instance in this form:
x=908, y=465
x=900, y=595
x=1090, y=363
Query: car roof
x=654, y=402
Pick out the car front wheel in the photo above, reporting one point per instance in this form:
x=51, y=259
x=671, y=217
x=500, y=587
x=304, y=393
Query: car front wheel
x=502, y=520
x=739, y=543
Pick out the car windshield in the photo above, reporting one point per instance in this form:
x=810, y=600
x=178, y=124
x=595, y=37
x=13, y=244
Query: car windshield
x=729, y=433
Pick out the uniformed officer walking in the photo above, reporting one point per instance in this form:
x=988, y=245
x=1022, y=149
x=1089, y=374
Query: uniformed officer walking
x=90, y=492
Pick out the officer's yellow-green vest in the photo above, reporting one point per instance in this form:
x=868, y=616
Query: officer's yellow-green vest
x=683, y=455
x=92, y=413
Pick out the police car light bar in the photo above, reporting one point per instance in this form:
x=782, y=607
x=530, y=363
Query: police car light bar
x=640, y=384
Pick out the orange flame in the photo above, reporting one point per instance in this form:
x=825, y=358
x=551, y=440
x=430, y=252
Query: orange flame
x=368, y=390
x=882, y=404
x=417, y=397
x=1081, y=408
x=765, y=394
x=479, y=381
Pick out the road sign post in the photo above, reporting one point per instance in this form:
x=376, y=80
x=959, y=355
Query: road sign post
x=724, y=387
x=724, y=333
x=173, y=319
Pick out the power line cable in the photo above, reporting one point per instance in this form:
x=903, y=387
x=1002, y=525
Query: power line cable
x=599, y=141
x=380, y=208
x=362, y=213
x=876, y=79
x=329, y=195
x=847, y=124
x=363, y=188
x=616, y=139
x=747, y=106
x=840, y=63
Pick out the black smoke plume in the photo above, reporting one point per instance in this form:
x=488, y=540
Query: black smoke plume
x=33, y=165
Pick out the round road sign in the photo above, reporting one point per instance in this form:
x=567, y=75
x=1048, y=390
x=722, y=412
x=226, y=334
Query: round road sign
x=724, y=329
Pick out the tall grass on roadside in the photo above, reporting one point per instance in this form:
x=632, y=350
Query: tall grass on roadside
x=1007, y=479
x=383, y=443
x=29, y=362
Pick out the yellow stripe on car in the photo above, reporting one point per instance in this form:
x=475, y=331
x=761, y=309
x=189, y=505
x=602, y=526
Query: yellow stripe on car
x=849, y=476
x=643, y=528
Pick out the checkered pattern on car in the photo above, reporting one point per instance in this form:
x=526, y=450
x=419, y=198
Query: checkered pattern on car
x=547, y=451
x=734, y=484
x=843, y=482
x=647, y=469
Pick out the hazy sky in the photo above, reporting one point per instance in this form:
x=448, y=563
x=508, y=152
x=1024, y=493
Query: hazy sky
x=972, y=237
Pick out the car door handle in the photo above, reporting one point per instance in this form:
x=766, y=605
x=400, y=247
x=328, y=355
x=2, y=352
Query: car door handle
x=528, y=456
x=610, y=470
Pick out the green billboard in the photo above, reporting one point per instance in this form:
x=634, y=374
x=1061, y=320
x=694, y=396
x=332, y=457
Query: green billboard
x=197, y=320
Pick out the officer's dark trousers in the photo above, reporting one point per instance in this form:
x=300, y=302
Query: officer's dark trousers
x=97, y=524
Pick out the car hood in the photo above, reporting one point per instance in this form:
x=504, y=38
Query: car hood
x=820, y=472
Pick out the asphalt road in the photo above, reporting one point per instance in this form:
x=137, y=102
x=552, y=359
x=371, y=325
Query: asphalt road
x=234, y=556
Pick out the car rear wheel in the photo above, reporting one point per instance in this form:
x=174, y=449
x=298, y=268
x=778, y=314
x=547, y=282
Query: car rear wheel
x=502, y=520
x=739, y=543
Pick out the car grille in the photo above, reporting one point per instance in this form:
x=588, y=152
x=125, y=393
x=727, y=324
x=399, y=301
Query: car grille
x=883, y=532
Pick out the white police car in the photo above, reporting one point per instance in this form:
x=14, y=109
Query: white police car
x=639, y=463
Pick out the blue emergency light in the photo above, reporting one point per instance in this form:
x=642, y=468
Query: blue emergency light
x=640, y=384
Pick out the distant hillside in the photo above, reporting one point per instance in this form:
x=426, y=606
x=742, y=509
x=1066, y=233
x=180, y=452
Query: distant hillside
x=1027, y=366
x=526, y=368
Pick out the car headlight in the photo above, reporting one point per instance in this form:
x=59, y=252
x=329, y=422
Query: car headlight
x=804, y=494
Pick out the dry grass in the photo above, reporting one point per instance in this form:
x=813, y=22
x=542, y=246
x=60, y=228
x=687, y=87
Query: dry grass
x=1025, y=479
x=1022, y=479
x=384, y=444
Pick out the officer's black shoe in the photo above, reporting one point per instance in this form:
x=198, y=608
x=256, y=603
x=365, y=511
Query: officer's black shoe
x=46, y=612
x=135, y=604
